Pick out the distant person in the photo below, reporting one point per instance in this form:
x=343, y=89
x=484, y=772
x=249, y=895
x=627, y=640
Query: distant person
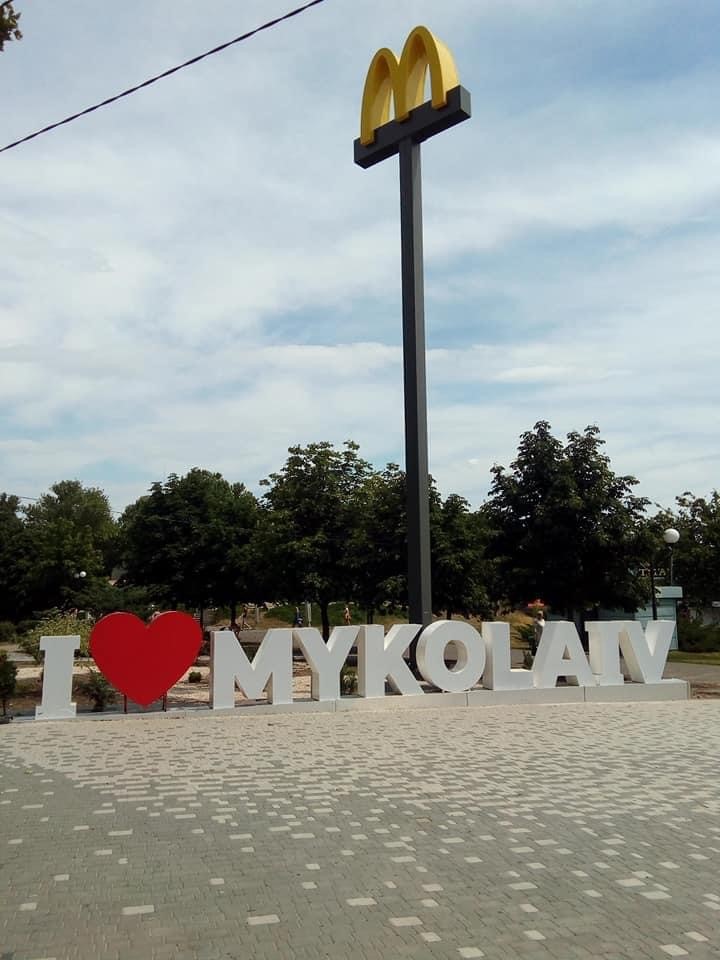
x=298, y=617
x=538, y=628
x=243, y=618
x=346, y=615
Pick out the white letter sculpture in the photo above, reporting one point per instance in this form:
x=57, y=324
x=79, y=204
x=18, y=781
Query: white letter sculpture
x=57, y=678
x=604, y=652
x=380, y=657
x=499, y=674
x=558, y=638
x=326, y=659
x=470, y=650
x=270, y=668
x=645, y=654
x=381, y=660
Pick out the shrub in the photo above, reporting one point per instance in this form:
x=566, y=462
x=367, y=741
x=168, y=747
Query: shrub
x=526, y=634
x=194, y=676
x=7, y=632
x=348, y=680
x=696, y=637
x=8, y=681
x=58, y=625
x=97, y=689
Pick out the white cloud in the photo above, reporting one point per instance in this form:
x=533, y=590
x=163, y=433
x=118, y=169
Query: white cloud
x=199, y=274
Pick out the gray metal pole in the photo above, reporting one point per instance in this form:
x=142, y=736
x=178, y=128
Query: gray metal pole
x=416, y=442
x=652, y=590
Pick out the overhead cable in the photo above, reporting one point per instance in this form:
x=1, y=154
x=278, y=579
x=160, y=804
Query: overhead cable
x=165, y=73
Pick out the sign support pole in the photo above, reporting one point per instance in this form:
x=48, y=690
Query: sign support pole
x=416, y=436
x=381, y=138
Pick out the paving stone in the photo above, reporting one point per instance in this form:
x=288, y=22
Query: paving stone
x=519, y=832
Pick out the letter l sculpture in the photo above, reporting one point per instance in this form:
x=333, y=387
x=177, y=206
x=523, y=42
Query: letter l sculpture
x=380, y=138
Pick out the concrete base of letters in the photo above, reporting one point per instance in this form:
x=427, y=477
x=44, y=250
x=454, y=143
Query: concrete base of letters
x=496, y=698
x=628, y=692
x=664, y=690
x=397, y=702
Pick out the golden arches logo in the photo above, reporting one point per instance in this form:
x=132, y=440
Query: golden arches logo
x=404, y=80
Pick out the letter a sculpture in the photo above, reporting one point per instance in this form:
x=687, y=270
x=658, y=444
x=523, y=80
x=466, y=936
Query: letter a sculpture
x=380, y=138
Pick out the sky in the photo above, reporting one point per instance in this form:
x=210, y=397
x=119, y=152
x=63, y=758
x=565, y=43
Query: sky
x=198, y=275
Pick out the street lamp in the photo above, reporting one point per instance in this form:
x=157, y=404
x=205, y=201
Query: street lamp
x=671, y=537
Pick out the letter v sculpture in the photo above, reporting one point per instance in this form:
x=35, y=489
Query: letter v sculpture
x=380, y=138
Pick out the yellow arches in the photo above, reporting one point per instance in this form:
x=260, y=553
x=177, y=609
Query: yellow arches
x=404, y=80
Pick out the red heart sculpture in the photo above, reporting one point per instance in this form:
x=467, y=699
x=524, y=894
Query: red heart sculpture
x=143, y=662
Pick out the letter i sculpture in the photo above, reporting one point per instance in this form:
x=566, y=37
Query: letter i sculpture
x=380, y=138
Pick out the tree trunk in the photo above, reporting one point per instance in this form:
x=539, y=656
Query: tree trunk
x=370, y=615
x=323, y=604
x=449, y=614
x=233, y=612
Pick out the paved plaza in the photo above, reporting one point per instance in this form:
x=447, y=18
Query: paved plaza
x=564, y=832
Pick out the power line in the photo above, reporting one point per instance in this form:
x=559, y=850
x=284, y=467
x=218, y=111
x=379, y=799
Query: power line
x=166, y=73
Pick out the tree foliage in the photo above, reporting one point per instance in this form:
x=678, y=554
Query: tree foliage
x=8, y=680
x=189, y=539
x=70, y=531
x=13, y=559
x=314, y=506
x=9, y=29
x=460, y=571
x=378, y=543
x=559, y=524
x=56, y=625
x=697, y=553
x=458, y=537
x=565, y=527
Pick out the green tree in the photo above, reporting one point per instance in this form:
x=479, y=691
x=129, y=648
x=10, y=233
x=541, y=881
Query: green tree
x=14, y=560
x=458, y=539
x=8, y=680
x=565, y=527
x=697, y=553
x=9, y=29
x=459, y=565
x=102, y=596
x=314, y=505
x=56, y=625
x=378, y=544
x=189, y=540
x=70, y=532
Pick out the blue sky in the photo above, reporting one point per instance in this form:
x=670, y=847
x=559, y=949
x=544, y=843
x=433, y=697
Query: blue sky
x=199, y=275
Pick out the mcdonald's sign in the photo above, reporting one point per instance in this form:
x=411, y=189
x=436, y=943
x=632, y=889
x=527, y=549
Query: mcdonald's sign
x=402, y=81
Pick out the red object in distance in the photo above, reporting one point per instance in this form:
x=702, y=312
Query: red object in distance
x=143, y=662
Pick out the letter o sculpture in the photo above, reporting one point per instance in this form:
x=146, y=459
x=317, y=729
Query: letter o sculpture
x=470, y=652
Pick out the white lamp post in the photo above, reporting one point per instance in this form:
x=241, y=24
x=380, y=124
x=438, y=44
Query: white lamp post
x=671, y=537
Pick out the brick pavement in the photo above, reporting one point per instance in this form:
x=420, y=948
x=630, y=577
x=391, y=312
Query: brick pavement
x=566, y=832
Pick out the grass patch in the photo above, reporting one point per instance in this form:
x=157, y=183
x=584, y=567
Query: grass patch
x=682, y=656
x=284, y=615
